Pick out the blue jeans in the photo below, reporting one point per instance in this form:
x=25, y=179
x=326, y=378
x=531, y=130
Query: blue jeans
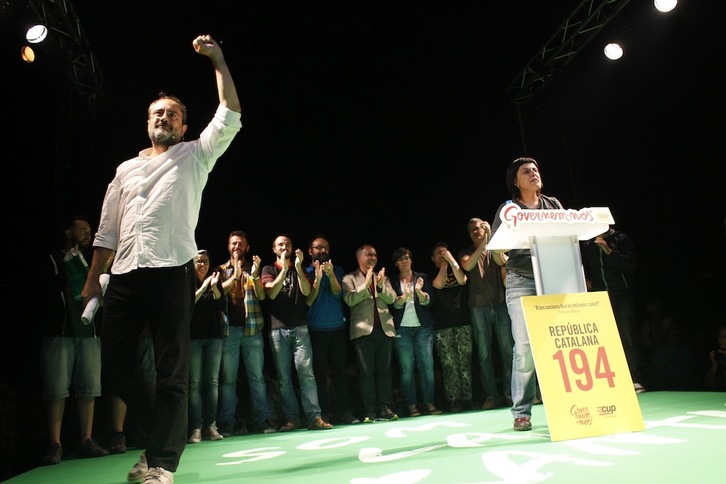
x=486, y=322
x=253, y=355
x=205, y=357
x=523, y=374
x=414, y=349
x=292, y=345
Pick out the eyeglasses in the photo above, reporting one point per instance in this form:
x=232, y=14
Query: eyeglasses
x=171, y=114
x=203, y=262
x=321, y=247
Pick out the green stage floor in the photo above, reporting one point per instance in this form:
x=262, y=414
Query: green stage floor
x=683, y=442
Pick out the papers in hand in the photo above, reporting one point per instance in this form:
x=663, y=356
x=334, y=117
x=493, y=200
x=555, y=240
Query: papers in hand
x=90, y=310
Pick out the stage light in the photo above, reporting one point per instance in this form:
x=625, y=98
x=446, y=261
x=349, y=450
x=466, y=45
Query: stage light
x=665, y=6
x=27, y=54
x=613, y=51
x=36, y=34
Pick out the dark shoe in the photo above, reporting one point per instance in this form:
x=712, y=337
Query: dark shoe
x=370, y=416
x=225, y=430
x=117, y=444
x=139, y=470
x=53, y=456
x=242, y=430
x=90, y=448
x=348, y=419
x=386, y=415
x=489, y=404
x=140, y=439
x=432, y=410
x=413, y=411
x=453, y=406
x=268, y=427
x=522, y=423
x=319, y=424
x=289, y=426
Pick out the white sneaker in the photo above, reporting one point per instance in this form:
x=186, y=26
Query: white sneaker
x=196, y=437
x=638, y=388
x=139, y=470
x=159, y=475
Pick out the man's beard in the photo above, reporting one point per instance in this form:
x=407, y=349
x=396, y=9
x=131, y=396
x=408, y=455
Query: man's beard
x=160, y=136
x=322, y=257
x=83, y=244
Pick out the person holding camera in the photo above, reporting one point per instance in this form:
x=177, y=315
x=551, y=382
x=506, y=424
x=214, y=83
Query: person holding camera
x=715, y=379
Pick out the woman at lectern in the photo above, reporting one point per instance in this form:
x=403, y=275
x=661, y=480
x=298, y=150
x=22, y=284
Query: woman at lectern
x=524, y=183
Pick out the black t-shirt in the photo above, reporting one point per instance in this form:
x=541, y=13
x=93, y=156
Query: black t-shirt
x=450, y=309
x=288, y=309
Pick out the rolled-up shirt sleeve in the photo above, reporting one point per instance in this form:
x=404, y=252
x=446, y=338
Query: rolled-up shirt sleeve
x=108, y=227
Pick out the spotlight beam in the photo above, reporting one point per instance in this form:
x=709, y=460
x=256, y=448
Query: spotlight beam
x=61, y=19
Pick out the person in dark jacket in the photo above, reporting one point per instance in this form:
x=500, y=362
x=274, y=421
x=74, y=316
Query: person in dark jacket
x=414, y=322
x=609, y=264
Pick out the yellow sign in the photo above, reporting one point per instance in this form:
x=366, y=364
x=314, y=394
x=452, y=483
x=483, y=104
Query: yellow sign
x=581, y=367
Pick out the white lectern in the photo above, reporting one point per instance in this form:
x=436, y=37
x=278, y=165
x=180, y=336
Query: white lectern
x=552, y=236
x=573, y=396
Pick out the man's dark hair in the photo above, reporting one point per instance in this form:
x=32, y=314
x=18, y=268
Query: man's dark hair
x=317, y=236
x=238, y=233
x=437, y=245
x=71, y=221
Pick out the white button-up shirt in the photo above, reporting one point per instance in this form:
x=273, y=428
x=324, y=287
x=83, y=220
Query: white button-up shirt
x=151, y=207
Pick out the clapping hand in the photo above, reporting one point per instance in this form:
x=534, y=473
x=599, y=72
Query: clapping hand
x=448, y=258
x=299, y=258
x=381, y=276
x=256, y=263
x=328, y=268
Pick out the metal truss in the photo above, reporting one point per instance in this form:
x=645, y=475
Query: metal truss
x=581, y=26
x=60, y=18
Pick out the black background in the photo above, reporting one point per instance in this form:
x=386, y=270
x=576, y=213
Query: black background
x=388, y=123
x=392, y=124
